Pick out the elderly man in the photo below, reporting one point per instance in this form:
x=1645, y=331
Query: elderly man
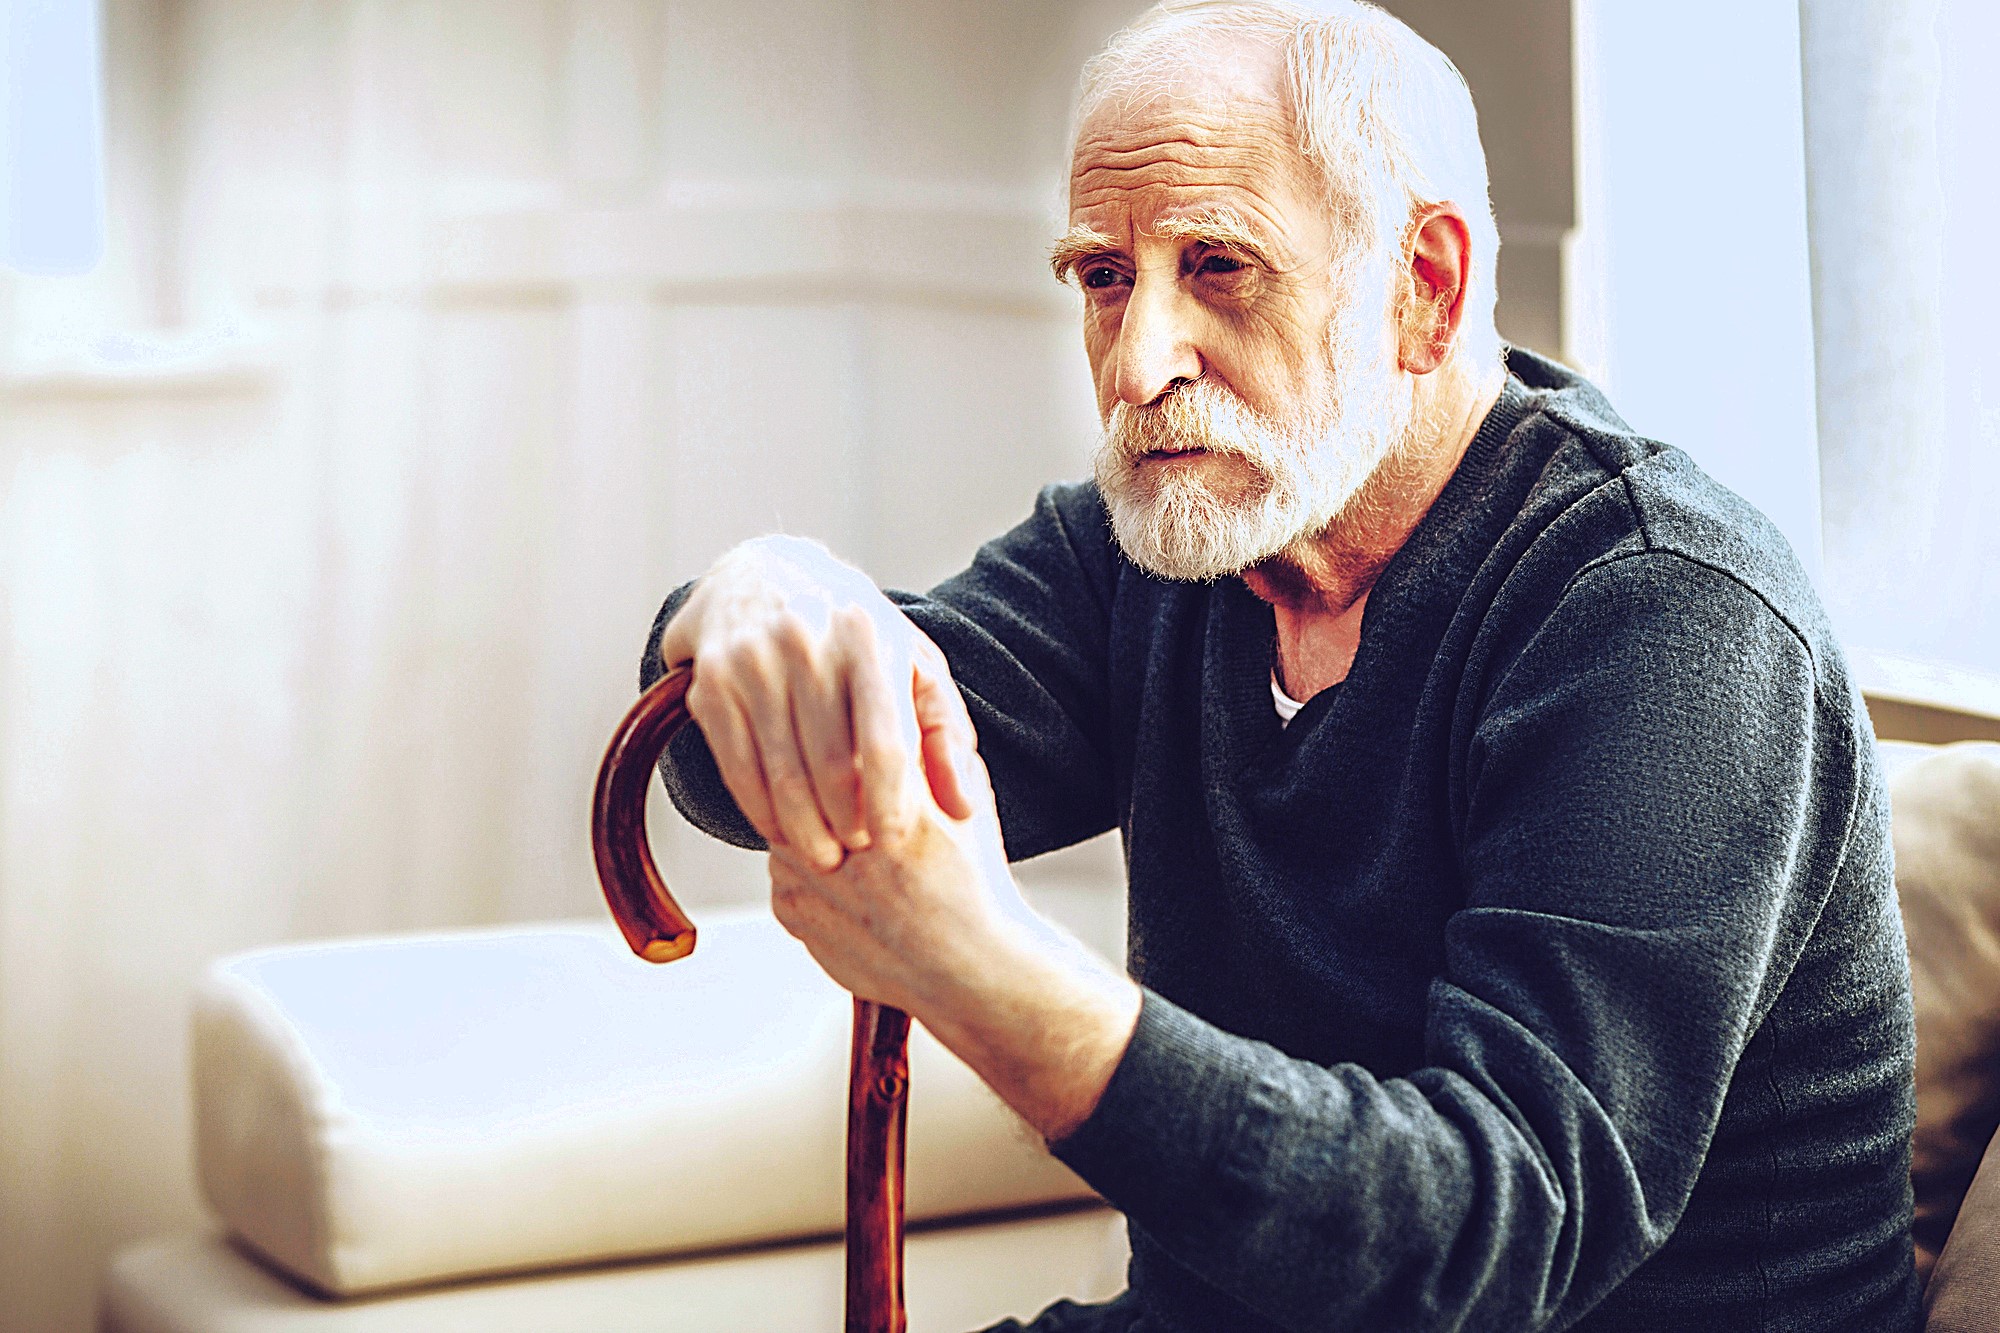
x=1513, y=944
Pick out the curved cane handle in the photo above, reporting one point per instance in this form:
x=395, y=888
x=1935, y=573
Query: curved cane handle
x=878, y=1080
x=654, y=924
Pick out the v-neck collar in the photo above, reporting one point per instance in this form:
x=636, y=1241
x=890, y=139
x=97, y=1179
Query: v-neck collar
x=1239, y=723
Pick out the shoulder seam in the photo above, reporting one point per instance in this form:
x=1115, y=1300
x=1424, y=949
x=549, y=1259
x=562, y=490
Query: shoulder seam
x=1606, y=561
x=1653, y=547
x=1584, y=435
x=1632, y=504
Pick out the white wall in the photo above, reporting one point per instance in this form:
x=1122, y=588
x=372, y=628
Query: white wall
x=435, y=344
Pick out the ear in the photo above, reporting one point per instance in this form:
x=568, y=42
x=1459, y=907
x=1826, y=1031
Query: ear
x=1438, y=256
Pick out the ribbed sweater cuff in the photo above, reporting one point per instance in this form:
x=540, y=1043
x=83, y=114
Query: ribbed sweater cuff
x=1175, y=1107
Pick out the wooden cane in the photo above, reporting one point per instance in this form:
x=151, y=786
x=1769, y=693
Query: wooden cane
x=878, y=1075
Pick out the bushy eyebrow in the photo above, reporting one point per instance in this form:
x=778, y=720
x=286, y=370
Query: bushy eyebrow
x=1076, y=245
x=1224, y=228
x=1221, y=227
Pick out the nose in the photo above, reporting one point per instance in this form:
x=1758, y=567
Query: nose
x=1156, y=347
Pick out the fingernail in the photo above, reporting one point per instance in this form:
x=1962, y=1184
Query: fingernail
x=859, y=841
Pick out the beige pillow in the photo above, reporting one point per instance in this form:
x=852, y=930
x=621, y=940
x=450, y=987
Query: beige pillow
x=1946, y=817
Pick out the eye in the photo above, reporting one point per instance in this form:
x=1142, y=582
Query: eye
x=1220, y=264
x=1097, y=277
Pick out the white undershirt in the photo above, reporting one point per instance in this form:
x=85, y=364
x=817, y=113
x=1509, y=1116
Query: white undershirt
x=1288, y=707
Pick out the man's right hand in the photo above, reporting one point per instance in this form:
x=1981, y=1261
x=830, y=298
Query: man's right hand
x=778, y=631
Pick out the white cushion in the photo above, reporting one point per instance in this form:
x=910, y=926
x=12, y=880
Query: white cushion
x=959, y=1279
x=385, y=1112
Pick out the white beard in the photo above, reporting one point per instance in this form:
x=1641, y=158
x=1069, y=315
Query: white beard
x=1308, y=470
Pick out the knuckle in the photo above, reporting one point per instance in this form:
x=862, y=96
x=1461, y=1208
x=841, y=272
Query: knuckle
x=897, y=824
x=793, y=637
x=734, y=658
x=878, y=757
x=787, y=778
x=831, y=755
x=860, y=626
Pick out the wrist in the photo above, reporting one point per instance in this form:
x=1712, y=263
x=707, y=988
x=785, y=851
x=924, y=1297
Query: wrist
x=1041, y=1019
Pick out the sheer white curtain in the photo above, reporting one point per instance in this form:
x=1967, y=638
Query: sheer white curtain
x=1904, y=189
x=1688, y=286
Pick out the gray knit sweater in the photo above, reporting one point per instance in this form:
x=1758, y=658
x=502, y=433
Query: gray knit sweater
x=1544, y=974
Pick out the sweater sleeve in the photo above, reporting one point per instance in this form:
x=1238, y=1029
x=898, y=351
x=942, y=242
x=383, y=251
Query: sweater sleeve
x=1026, y=629
x=1647, y=804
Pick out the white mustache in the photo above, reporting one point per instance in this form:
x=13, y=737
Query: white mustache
x=1198, y=415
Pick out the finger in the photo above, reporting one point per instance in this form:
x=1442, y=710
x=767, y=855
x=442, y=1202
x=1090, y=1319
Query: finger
x=947, y=700
x=787, y=865
x=678, y=638
x=727, y=731
x=768, y=700
x=816, y=701
x=885, y=760
x=957, y=776
x=676, y=641
x=950, y=743
x=822, y=718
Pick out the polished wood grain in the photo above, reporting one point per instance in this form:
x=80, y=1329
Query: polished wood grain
x=653, y=923
x=878, y=1093
x=878, y=1080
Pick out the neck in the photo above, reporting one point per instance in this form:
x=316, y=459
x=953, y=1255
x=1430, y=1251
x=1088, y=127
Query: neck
x=1318, y=588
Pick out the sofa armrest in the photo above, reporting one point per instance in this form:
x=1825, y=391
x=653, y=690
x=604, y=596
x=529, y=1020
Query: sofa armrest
x=387, y=1112
x=1963, y=1295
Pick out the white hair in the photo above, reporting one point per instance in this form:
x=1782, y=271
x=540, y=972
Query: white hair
x=1385, y=117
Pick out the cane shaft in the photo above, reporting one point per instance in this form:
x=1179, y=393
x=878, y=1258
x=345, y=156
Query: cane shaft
x=878, y=1088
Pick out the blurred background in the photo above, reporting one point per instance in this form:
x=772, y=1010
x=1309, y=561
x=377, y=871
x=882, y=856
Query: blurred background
x=433, y=341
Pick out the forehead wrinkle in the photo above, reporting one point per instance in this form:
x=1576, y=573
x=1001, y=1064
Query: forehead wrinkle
x=1238, y=123
x=1242, y=155
x=1196, y=159
x=1190, y=155
x=1239, y=217
x=1104, y=187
